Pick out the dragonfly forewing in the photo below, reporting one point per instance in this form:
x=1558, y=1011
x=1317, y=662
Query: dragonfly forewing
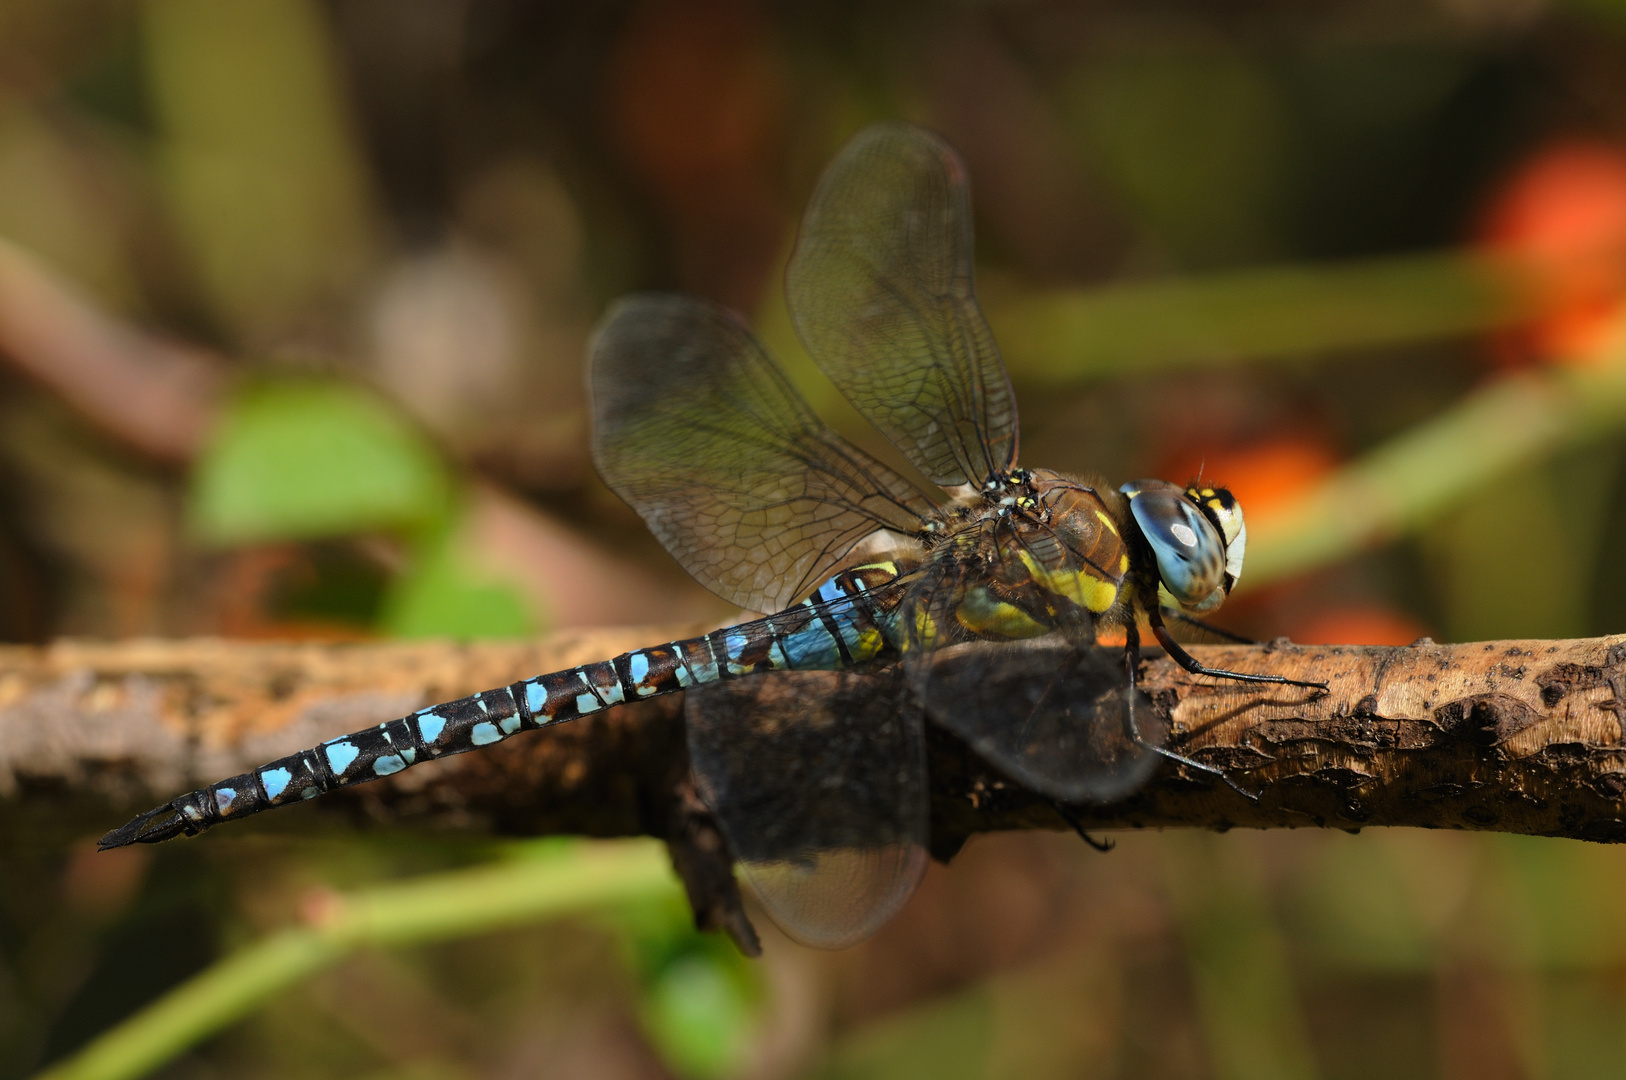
x=698, y=430
x=880, y=287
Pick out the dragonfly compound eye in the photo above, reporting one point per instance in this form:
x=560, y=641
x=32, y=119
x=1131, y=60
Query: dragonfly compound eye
x=1221, y=508
x=1190, y=552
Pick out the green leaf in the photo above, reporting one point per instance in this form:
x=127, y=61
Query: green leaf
x=447, y=594
x=700, y=1002
x=700, y=1016
x=297, y=460
x=702, y=1010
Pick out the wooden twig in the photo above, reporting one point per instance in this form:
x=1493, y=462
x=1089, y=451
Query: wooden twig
x=1516, y=736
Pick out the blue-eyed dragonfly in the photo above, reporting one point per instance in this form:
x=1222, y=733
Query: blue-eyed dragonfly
x=821, y=788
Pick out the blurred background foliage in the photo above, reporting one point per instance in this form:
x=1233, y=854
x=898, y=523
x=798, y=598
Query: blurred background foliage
x=293, y=300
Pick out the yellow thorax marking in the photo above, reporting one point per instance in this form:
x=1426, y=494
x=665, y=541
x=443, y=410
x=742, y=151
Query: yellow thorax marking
x=981, y=613
x=1107, y=521
x=925, y=629
x=1082, y=587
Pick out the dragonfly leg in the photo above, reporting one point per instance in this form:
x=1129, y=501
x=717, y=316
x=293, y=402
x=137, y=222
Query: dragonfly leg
x=1132, y=664
x=1197, y=667
x=1065, y=812
x=1207, y=627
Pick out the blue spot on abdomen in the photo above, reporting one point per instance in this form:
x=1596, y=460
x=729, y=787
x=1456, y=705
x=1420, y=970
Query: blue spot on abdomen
x=341, y=753
x=275, y=781
x=430, y=725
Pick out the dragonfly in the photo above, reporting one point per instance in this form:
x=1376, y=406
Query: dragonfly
x=978, y=602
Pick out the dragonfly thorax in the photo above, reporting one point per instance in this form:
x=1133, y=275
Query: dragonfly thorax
x=1009, y=488
x=1065, y=536
x=1003, y=494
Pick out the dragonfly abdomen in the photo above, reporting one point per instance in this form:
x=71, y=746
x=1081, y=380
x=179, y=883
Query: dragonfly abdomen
x=839, y=627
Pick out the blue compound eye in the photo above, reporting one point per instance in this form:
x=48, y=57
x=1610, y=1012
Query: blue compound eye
x=1190, y=552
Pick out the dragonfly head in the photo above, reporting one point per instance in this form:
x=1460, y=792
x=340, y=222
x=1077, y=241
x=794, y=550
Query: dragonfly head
x=1197, y=535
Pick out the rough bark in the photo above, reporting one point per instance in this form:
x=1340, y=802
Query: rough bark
x=1517, y=736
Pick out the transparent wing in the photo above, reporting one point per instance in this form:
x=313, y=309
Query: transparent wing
x=880, y=289
x=1050, y=710
x=818, y=780
x=1049, y=713
x=699, y=432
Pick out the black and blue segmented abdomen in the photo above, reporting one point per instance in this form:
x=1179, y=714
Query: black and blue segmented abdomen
x=451, y=728
x=841, y=625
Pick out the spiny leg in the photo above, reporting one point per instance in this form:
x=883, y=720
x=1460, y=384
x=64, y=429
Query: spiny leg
x=1132, y=664
x=1197, y=667
x=1208, y=627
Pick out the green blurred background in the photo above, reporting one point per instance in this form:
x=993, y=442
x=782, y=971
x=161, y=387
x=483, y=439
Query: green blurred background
x=293, y=300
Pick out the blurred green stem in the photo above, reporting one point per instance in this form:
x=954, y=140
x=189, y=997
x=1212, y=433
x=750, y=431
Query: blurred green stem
x=1270, y=313
x=1407, y=481
x=1559, y=504
x=1250, y=1007
x=580, y=878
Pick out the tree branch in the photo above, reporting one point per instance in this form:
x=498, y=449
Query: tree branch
x=1516, y=736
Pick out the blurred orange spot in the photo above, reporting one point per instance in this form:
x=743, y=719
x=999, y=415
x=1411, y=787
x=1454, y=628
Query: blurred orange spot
x=247, y=583
x=696, y=94
x=1562, y=216
x=1267, y=477
x=696, y=103
x=321, y=907
x=1359, y=624
x=100, y=887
